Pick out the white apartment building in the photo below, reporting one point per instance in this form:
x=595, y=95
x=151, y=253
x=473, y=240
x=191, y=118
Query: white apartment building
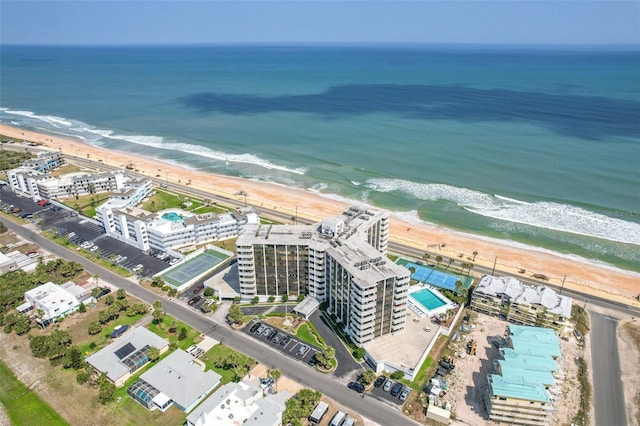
x=55, y=301
x=341, y=261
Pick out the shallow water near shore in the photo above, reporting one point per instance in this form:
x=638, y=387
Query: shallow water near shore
x=539, y=147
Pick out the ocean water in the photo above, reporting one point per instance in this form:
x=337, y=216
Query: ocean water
x=532, y=146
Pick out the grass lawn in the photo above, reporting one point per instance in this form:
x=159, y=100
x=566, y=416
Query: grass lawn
x=23, y=406
x=215, y=353
x=161, y=200
x=304, y=333
x=168, y=322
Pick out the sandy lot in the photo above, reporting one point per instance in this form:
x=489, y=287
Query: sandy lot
x=469, y=379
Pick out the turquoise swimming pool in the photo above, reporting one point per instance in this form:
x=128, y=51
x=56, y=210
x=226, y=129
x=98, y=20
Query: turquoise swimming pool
x=172, y=216
x=428, y=299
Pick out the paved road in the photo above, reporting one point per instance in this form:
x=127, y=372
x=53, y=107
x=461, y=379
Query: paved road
x=347, y=368
x=607, y=386
x=299, y=372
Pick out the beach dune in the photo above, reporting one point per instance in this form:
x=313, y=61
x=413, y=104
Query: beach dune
x=581, y=275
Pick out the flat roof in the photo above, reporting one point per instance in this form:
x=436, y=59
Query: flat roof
x=106, y=360
x=51, y=295
x=180, y=378
x=404, y=348
x=534, y=340
x=307, y=306
x=533, y=362
x=517, y=374
x=524, y=391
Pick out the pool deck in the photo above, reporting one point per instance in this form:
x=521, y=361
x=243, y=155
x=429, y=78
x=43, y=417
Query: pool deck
x=405, y=349
x=416, y=307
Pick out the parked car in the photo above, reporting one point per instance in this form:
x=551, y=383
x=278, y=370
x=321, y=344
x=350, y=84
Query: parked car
x=285, y=340
x=380, y=381
x=261, y=329
x=387, y=385
x=397, y=389
x=137, y=268
x=255, y=326
x=358, y=387
x=302, y=349
x=198, y=288
x=194, y=300
x=104, y=292
x=267, y=331
x=405, y=394
x=272, y=334
x=118, y=330
x=277, y=339
x=312, y=360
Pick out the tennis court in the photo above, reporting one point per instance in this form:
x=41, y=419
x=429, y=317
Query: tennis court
x=193, y=268
x=433, y=277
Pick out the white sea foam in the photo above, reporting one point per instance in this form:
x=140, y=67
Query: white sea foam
x=158, y=142
x=542, y=214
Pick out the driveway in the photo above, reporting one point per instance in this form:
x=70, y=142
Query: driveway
x=346, y=364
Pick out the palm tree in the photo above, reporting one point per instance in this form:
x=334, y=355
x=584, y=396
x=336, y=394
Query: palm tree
x=450, y=262
x=96, y=277
x=475, y=253
x=275, y=375
x=459, y=284
x=438, y=259
x=426, y=257
x=153, y=206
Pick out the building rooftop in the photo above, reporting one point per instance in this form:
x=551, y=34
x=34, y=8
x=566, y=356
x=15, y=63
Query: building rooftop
x=181, y=378
x=236, y=404
x=525, y=294
x=532, y=362
x=51, y=295
x=534, y=340
x=307, y=306
x=502, y=387
x=112, y=358
x=516, y=373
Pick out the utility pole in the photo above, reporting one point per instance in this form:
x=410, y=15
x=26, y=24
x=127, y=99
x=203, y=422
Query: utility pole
x=562, y=285
x=495, y=260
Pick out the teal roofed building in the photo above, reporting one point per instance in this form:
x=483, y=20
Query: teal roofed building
x=523, y=380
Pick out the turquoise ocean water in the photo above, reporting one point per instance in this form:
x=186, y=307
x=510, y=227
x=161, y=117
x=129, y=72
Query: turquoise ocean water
x=533, y=146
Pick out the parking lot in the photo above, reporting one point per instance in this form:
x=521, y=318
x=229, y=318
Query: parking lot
x=380, y=393
x=292, y=347
x=80, y=230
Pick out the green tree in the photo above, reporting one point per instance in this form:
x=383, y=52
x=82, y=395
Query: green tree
x=275, y=375
x=368, y=376
x=255, y=300
x=83, y=376
x=325, y=356
x=475, y=253
x=82, y=308
x=157, y=304
x=121, y=294
x=301, y=297
x=459, y=284
x=109, y=300
x=235, y=315
x=157, y=315
x=438, y=259
x=271, y=299
x=397, y=375
x=183, y=333
x=285, y=297
x=172, y=292
x=426, y=257
x=153, y=354
x=300, y=406
x=106, y=392
x=358, y=353
x=237, y=300
x=208, y=292
x=73, y=358
x=94, y=327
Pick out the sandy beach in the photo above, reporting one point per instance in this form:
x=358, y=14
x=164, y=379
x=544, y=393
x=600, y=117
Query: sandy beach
x=599, y=280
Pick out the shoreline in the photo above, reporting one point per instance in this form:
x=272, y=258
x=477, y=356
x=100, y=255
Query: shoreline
x=581, y=274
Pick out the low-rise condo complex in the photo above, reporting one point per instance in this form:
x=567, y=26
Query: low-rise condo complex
x=508, y=298
x=341, y=261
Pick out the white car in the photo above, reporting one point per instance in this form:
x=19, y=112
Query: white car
x=137, y=268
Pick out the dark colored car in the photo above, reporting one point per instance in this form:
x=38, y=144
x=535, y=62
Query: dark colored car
x=254, y=327
x=195, y=300
x=312, y=360
x=198, y=289
x=285, y=340
x=117, y=332
x=396, y=389
x=380, y=381
x=358, y=387
x=104, y=292
x=272, y=334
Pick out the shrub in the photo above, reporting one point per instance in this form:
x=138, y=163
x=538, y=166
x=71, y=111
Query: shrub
x=208, y=292
x=237, y=299
x=358, y=353
x=272, y=299
x=285, y=297
x=397, y=375
x=255, y=300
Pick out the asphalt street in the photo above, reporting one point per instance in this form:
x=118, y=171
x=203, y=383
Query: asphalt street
x=607, y=385
x=239, y=341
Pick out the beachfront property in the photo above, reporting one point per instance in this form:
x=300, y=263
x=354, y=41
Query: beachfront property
x=55, y=301
x=510, y=299
x=341, y=261
x=24, y=179
x=170, y=228
x=179, y=380
x=240, y=403
x=120, y=359
x=526, y=378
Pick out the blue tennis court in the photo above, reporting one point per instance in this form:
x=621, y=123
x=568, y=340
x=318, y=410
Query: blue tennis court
x=193, y=268
x=433, y=277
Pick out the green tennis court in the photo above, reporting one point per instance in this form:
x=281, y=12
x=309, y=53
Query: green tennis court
x=193, y=268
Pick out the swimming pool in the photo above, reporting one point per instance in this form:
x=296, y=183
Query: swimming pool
x=172, y=216
x=428, y=299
